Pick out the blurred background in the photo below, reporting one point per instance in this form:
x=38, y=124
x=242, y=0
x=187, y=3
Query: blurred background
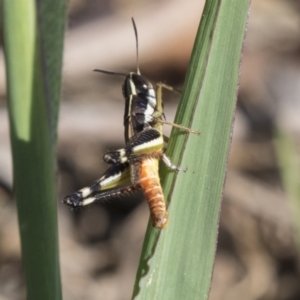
x=258, y=253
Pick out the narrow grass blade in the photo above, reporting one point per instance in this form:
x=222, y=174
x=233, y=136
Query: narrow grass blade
x=33, y=35
x=177, y=263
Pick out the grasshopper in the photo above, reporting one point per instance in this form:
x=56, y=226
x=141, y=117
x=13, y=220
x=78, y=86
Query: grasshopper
x=135, y=167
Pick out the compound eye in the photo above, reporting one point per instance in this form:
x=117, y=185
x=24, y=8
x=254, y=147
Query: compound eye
x=141, y=83
x=126, y=88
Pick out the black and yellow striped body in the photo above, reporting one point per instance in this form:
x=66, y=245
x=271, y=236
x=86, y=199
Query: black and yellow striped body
x=140, y=104
x=143, y=153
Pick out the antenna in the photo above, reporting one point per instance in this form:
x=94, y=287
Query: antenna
x=137, y=56
x=109, y=72
x=137, y=47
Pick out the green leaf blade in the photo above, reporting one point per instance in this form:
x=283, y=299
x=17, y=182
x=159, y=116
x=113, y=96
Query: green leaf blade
x=29, y=69
x=180, y=258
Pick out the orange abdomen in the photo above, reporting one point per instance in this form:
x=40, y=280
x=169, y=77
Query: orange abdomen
x=150, y=184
